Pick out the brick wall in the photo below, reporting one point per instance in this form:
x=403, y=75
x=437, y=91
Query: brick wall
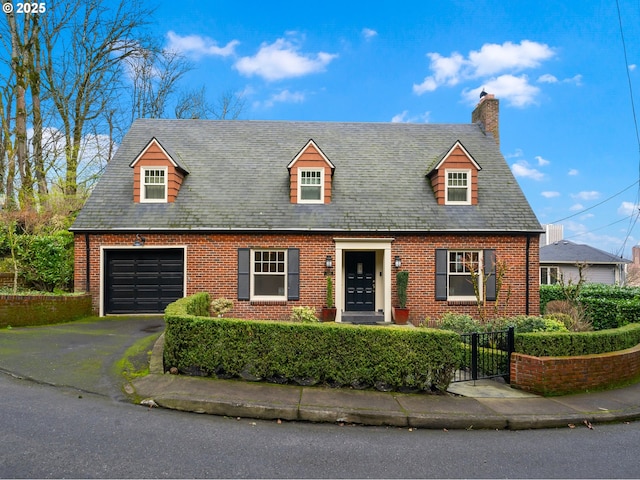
x=212, y=267
x=563, y=375
x=28, y=310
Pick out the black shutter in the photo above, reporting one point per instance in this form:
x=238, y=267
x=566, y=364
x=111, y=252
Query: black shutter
x=244, y=273
x=441, y=274
x=293, y=274
x=489, y=267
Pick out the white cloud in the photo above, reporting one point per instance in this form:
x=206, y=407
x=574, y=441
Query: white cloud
x=515, y=90
x=405, y=118
x=285, y=96
x=627, y=208
x=586, y=196
x=573, y=172
x=492, y=58
x=198, y=46
x=547, y=78
x=550, y=194
x=368, y=33
x=496, y=65
x=632, y=67
x=576, y=207
x=522, y=169
x=447, y=71
x=281, y=60
x=541, y=161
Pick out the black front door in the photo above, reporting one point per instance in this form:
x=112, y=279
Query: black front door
x=360, y=281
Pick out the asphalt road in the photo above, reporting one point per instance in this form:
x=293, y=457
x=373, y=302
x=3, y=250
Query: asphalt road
x=63, y=414
x=56, y=432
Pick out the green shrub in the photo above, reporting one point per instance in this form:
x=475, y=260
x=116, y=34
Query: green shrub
x=46, y=261
x=543, y=344
x=220, y=306
x=459, y=323
x=303, y=314
x=196, y=305
x=335, y=354
x=526, y=324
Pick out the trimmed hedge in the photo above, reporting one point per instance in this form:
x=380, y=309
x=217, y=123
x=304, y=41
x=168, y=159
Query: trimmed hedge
x=551, y=344
x=607, y=306
x=308, y=353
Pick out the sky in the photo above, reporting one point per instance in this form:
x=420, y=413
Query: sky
x=565, y=73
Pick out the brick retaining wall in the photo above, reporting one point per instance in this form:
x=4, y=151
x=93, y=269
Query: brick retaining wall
x=563, y=375
x=24, y=310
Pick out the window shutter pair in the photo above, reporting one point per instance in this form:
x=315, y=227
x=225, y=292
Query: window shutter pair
x=489, y=268
x=244, y=274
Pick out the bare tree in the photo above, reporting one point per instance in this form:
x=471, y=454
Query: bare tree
x=154, y=75
x=193, y=104
x=83, y=74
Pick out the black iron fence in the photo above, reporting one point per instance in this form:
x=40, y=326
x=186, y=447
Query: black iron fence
x=486, y=355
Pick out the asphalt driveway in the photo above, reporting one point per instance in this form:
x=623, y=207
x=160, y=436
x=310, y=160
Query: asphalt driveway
x=81, y=355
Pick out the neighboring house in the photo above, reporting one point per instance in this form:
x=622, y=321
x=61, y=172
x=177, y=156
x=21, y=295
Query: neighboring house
x=261, y=211
x=564, y=259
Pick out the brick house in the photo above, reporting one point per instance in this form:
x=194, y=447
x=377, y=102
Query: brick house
x=260, y=212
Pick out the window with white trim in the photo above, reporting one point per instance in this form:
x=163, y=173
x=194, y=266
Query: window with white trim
x=458, y=187
x=154, y=184
x=269, y=275
x=310, y=185
x=549, y=275
x=461, y=265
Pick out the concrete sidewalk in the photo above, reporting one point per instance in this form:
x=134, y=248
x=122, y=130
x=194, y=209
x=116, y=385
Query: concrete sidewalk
x=480, y=405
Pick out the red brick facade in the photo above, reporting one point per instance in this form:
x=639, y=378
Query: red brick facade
x=212, y=266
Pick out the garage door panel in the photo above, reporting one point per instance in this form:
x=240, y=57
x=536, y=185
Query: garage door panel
x=143, y=281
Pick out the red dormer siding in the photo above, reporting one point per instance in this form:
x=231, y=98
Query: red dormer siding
x=154, y=156
x=310, y=157
x=456, y=159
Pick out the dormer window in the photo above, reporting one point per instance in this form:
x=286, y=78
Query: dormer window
x=458, y=186
x=310, y=176
x=454, y=177
x=157, y=174
x=311, y=185
x=154, y=187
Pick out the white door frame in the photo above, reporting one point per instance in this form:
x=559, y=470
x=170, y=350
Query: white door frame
x=382, y=271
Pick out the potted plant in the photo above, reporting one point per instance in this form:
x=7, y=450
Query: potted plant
x=329, y=311
x=401, y=312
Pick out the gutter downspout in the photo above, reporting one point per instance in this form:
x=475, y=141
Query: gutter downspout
x=527, y=282
x=88, y=263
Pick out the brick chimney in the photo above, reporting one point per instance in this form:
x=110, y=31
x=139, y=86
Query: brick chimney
x=486, y=114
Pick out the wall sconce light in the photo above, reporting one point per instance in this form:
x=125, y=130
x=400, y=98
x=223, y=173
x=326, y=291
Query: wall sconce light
x=397, y=262
x=139, y=241
x=328, y=265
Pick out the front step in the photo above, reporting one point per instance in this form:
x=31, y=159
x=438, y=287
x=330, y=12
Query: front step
x=363, y=318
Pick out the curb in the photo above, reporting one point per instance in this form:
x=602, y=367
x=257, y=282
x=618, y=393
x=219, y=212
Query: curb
x=263, y=401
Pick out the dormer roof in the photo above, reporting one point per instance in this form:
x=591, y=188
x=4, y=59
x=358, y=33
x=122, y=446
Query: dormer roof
x=311, y=145
x=169, y=155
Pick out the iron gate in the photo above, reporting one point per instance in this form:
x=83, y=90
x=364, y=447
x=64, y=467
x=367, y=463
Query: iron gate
x=486, y=355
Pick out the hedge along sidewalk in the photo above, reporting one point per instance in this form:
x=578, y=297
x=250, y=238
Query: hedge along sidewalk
x=561, y=344
x=32, y=310
x=340, y=355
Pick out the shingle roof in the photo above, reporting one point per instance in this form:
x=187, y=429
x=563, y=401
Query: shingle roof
x=565, y=251
x=239, y=179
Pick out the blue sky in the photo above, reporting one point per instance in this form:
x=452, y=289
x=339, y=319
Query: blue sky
x=558, y=67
